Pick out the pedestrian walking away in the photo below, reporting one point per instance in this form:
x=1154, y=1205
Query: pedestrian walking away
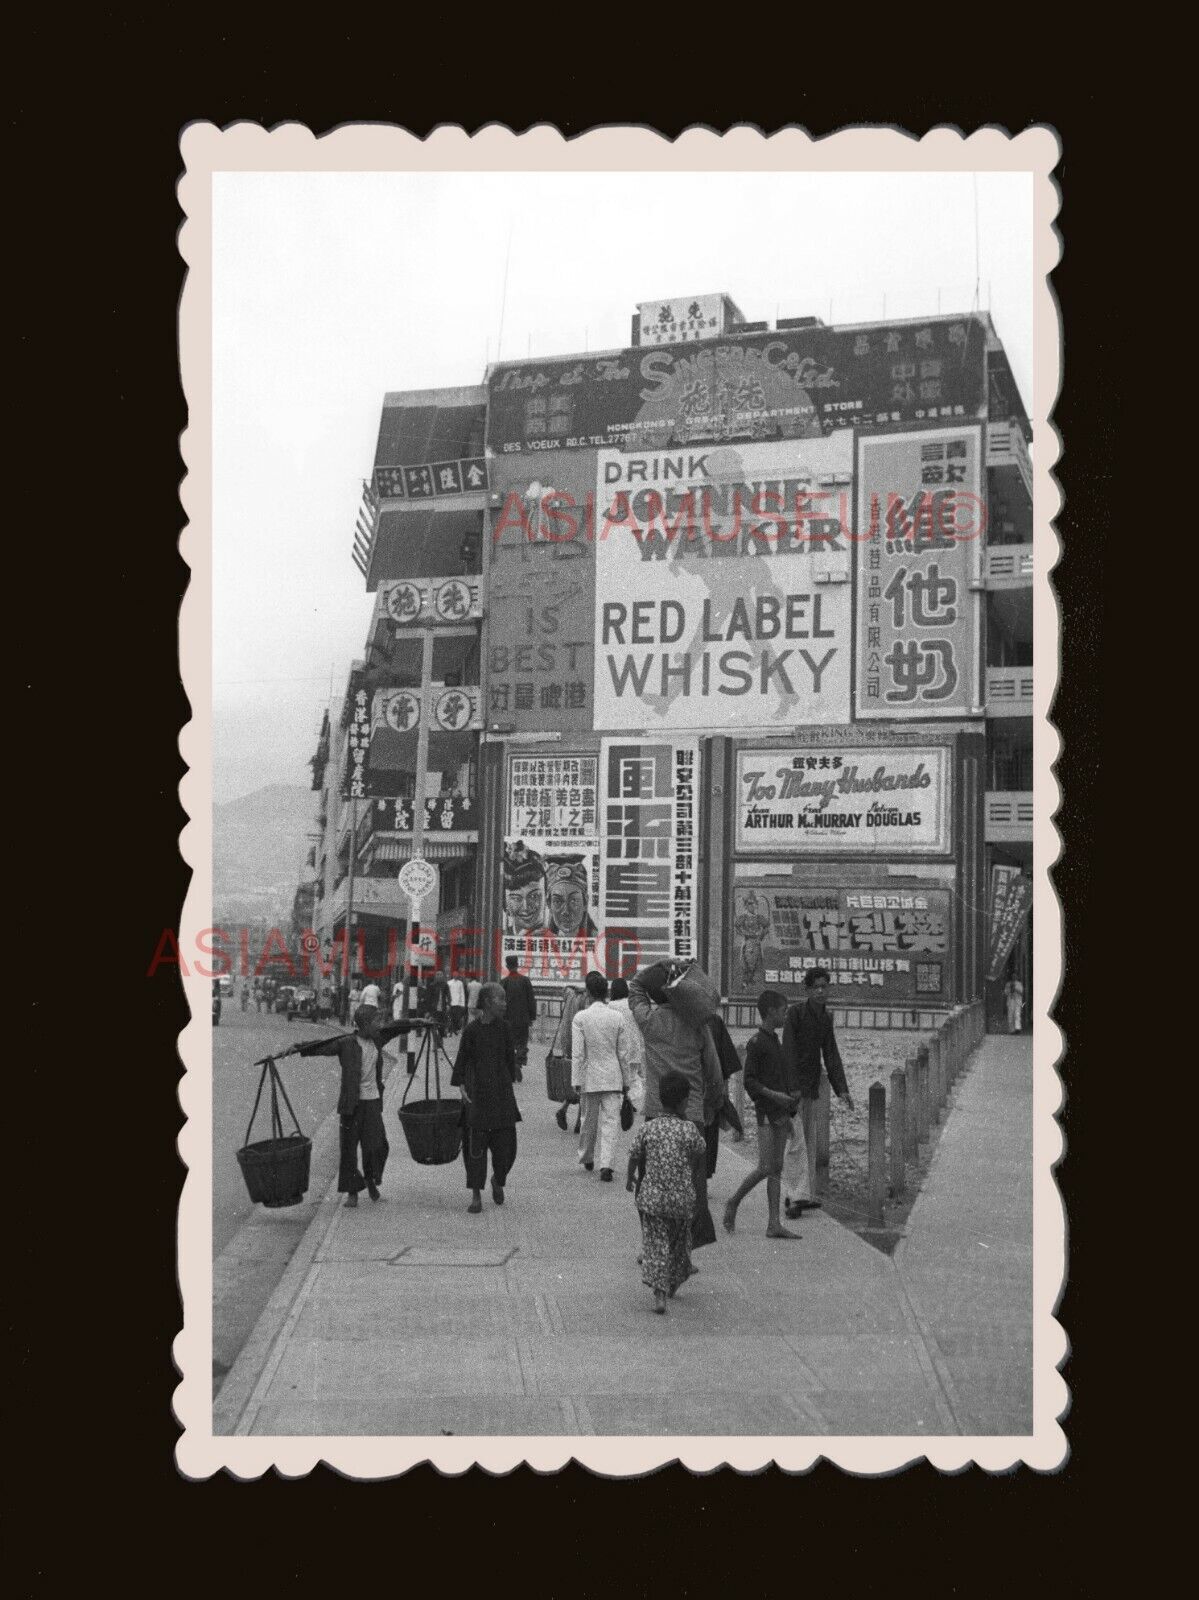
x=673, y=1045
x=601, y=1071
x=771, y=1085
x=730, y=1067
x=808, y=1041
x=456, y=990
x=563, y=1042
x=522, y=1010
x=371, y=997
x=1013, y=995
x=484, y=1072
x=618, y=999
x=472, y=996
x=666, y=1162
x=360, y=1103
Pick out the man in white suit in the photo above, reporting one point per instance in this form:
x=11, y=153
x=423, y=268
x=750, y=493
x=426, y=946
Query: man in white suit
x=601, y=1070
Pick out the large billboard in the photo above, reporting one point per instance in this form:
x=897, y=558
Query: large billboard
x=540, y=595
x=920, y=526
x=891, y=802
x=650, y=795
x=795, y=384
x=551, y=867
x=722, y=593
x=880, y=945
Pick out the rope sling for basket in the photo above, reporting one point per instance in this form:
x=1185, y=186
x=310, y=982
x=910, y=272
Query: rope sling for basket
x=277, y=1089
x=428, y=1047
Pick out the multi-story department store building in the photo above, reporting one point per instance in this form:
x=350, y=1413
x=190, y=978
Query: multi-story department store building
x=721, y=646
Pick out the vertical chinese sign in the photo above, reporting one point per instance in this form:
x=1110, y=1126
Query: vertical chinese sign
x=357, y=748
x=649, y=877
x=920, y=526
x=1011, y=901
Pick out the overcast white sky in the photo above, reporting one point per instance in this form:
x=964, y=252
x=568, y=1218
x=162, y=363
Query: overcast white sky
x=331, y=288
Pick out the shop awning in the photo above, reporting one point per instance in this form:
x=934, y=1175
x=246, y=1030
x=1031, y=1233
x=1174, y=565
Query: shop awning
x=443, y=850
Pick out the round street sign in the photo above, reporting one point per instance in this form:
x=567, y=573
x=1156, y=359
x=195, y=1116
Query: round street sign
x=418, y=878
x=310, y=944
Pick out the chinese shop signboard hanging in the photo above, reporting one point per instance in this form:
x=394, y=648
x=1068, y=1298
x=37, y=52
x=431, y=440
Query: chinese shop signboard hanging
x=419, y=602
x=829, y=801
x=681, y=321
x=431, y=479
x=794, y=384
x=920, y=526
x=452, y=709
x=357, y=748
x=713, y=605
x=880, y=946
x=1011, y=901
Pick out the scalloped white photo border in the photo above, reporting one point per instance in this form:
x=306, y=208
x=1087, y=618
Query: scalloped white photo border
x=206, y=150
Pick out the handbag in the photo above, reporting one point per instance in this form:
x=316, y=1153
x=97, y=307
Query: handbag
x=626, y=1111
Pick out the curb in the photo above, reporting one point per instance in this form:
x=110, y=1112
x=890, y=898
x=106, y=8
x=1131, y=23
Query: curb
x=243, y=1378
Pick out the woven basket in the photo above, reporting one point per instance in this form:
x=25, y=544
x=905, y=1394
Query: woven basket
x=276, y=1170
x=433, y=1129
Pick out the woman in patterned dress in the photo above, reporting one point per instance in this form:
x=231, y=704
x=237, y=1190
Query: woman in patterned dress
x=667, y=1152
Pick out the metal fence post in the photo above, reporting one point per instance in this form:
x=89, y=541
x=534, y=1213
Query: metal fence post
x=899, y=1117
x=876, y=1153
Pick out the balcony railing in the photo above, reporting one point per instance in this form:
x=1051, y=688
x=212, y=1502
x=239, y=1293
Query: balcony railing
x=1009, y=691
x=1009, y=566
x=1009, y=814
x=1006, y=447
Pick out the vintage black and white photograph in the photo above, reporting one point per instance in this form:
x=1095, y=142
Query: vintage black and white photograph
x=620, y=941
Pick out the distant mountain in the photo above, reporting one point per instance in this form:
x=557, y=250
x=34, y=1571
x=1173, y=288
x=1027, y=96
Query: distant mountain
x=258, y=848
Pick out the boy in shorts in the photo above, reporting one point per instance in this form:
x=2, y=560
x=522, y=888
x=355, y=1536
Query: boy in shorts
x=776, y=1100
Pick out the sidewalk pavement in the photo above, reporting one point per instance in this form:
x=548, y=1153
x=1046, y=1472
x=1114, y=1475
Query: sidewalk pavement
x=967, y=1255
x=411, y=1317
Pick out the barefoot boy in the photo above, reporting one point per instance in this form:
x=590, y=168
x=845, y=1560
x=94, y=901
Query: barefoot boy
x=776, y=1099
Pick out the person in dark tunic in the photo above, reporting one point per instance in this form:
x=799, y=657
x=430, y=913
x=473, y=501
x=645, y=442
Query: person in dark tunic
x=808, y=1039
x=360, y=1103
x=522, y=1010
x=484, y=1072
x=771, y=1084
x=730, y=1065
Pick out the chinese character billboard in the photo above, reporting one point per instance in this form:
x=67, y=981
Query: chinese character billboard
x=880, y=946
x=876, y=800
x=650, y=811
x=540, y=594
x=681, y=321
x=553, y=797
x=711, y=605
x=920, y=526
x=794, y=384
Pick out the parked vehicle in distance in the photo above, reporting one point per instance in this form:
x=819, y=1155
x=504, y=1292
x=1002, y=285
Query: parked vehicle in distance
x=226, y=982
x=301, y=1004
x=216, y=1001
x=283, y=996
